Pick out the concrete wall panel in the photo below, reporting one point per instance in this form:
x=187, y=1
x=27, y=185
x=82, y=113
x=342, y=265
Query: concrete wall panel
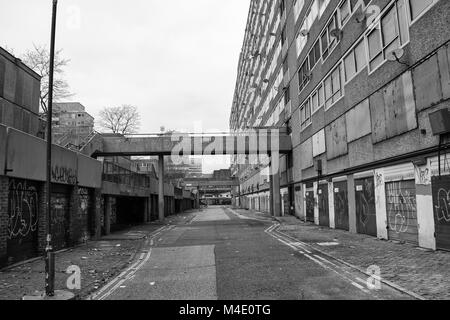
x=427, y=84
x=2, y=148
x=306, y=150
x=336, y=138
x=89, y=172
x=360, y=116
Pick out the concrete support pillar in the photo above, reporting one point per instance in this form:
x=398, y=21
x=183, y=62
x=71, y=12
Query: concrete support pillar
x=425, y=209
x=271, y=195
x=316, y=204
x=380, y=203
x=331, y=205
x=275, y=187
x=161, y=188
x=149, y=209
x=351, y=204
x=108, y=213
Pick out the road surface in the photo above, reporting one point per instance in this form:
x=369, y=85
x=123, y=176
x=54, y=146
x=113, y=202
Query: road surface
x=221, y=255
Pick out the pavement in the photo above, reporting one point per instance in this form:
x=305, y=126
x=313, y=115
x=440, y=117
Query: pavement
x=99, y=262
x=424, y=273
x=223, y=254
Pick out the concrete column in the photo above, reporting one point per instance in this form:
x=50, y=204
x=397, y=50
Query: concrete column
x=316, y=204
x=149, y=209
x=331, y=205
x=161, y=188
x=380, y=204
x=351, y=204
x=425, y=209
x=271, y=195
x=108, y=213
x=275, y=189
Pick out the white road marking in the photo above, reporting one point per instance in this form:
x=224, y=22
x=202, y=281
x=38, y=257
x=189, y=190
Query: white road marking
x=114, y=284
x=324, y=263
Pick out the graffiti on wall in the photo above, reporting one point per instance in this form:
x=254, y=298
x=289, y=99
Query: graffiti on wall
x=365, y=197
x=423, y=176
x=401, y=206
x=23, y=210
x=64, y=175
x=443, y=205
x=60, y=220
x=341, y=207
x=366, y=207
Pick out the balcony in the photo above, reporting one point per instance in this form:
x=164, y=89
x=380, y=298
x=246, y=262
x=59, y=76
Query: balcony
x=116, y=174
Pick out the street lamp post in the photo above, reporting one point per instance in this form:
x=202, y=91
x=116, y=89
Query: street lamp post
x=49, y=254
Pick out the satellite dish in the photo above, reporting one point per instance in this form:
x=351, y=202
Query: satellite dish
x=336, y=33
x=360, y=16
x=304, y=33
x=395, y=55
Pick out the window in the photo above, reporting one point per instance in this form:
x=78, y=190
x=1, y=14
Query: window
x=355, y=61
x=327, y=40
x=345, y=12
x=287, y=96
x=315, y=102
x=314, y=55
x=303, y=75
x=390, y=33
x=282, y=7
x=417, y=7
x=298, y=5
x=301, y=40
x=323, y=5
x=305, y=114
x=333, y=88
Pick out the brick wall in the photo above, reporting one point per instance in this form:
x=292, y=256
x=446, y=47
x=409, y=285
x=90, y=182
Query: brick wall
x=96, y=212
x=3, y=217
x=42, y=224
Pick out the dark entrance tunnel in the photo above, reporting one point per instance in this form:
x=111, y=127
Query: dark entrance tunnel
x=130, y=212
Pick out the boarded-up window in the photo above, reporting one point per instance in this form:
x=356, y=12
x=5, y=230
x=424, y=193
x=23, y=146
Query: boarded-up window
x=444, y=67
x=427, y=84
x=393, y=109
x=358, y=121
x=2, y=76
x=306, y=151
x=336, y=138
x=318, y=141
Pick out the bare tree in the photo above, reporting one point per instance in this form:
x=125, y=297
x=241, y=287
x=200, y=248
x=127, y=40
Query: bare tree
x=123, y=120
x=38, y=59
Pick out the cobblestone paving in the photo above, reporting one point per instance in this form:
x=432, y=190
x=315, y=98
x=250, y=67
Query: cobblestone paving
x=423, y=272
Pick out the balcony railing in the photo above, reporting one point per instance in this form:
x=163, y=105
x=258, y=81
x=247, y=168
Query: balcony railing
x=116, y=174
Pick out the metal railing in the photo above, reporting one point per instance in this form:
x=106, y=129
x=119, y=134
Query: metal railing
x=116, y=174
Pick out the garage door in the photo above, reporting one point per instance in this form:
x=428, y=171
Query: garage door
x=310, y=206
x=60, y=217
x=324, y=216
x=441, y=200
x=402, y=211
x=341, y=205
x=23, y=212
x=366, y=219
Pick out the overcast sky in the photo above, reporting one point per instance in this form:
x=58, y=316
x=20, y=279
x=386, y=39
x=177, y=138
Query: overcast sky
x=175, y=60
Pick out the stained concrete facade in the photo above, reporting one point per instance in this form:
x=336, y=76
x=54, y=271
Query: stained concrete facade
x=359, y=117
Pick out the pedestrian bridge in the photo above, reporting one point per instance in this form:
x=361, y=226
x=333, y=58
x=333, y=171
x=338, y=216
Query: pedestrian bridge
x=252, y=142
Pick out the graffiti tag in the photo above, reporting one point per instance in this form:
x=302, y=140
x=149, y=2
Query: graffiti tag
x=402, y=207
x=443, y=205
x=23, y=210
x=64, y=175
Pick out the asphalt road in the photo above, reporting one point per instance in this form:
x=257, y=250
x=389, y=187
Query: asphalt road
x=222, y=255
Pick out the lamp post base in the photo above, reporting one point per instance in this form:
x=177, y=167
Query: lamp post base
x=60, y=295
